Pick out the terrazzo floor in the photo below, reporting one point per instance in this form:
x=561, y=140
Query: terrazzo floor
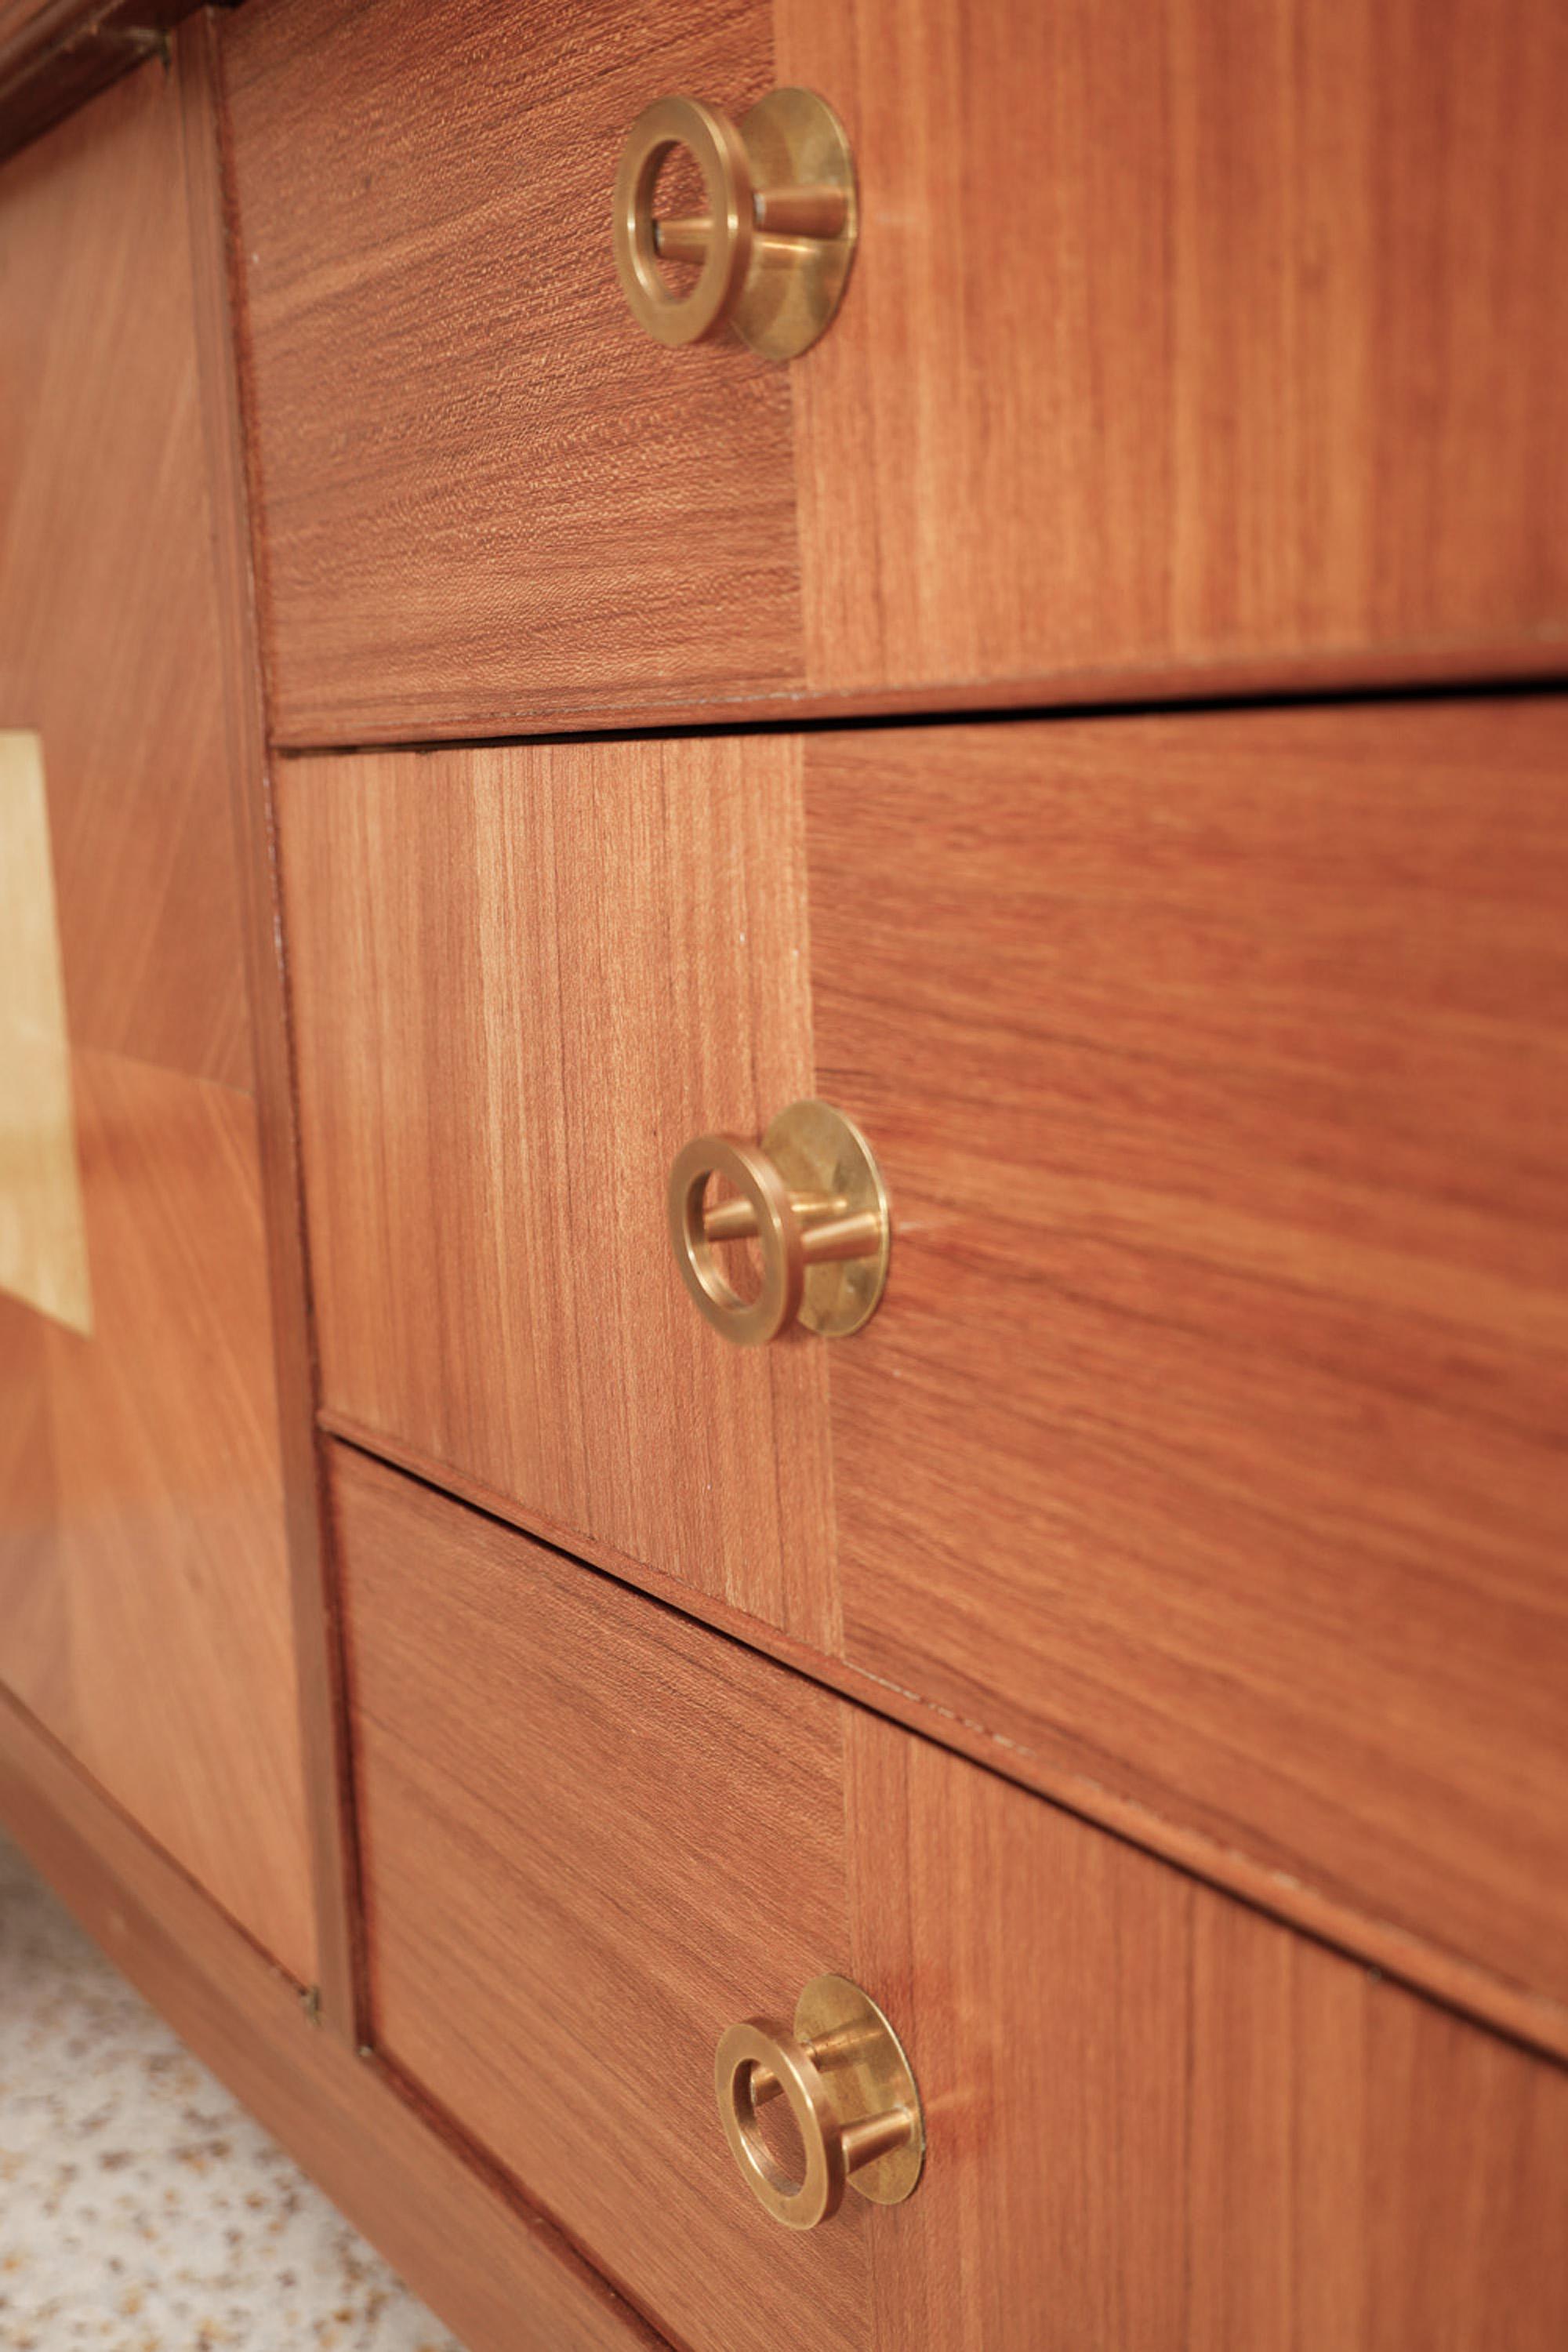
x=140, y=2210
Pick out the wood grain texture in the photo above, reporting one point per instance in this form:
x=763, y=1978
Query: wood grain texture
x=515, y=980
x=168, y=1542
x=507, y=495
x=491, y=2266
x=596, y=1835
x=1058, y=1767
x=1187, y=334
x=317, y=1648
x=1206, y=1456
x=1217, y=345
x=109, y=639
x=157, y=1639
x=1215, y=1416
x=1159, y=2119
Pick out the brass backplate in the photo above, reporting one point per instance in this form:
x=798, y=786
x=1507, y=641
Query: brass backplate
x=817, y=1150
x=792, y=138
x=863, y=2063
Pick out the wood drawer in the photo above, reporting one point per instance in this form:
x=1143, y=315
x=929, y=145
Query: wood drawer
x=1216, y=339
x=1207, y=1447
x=596, y=1835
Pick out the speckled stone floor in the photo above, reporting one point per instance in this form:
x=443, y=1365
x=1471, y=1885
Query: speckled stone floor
x=140, y=2210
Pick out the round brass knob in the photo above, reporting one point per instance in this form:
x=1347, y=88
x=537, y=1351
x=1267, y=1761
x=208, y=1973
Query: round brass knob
x=850, y=2090
x=775, y=240
x=813, y=1200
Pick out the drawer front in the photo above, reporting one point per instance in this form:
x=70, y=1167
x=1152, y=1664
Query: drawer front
x=595, y=1836
x=1208, y=1440
x=1214, y=338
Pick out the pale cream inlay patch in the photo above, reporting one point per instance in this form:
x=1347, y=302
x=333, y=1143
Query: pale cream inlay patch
x=43, y=1239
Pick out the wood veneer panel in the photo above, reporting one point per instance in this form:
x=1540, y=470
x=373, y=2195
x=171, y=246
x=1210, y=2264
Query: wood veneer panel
x=1215, y=1416
x=493, y=2268
x=317, y=1654
x=1397, y=2188
x=1218, y=343
x=1205, y=1459
x=482, y=487
x=1158, y=2118
x=596, y=1835
x=1036, y=1970
x=1215, y=332
x=110, y=647
x=518, y=977
x=169, y=1669
x=1058, y=1766
x=168, y=1542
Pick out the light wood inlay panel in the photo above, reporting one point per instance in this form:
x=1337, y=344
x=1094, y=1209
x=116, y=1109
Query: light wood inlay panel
x=35, y=1627
x=539, y=968
x=482, y=488
x=594, y=1835
x=142, y=1564
x=1215, y=341
x=43, y=1242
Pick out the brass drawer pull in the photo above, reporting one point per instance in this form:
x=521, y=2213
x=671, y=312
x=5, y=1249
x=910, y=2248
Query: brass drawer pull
x=774, y=243
x=850, y=2090
x=813, y=1199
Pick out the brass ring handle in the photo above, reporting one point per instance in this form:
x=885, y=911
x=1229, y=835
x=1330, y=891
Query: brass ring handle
x=774, y=243
x=812, y=1198
x=715, y=145
x=850, y=2090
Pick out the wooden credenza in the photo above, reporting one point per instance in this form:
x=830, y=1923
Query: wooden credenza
x=1095, y=719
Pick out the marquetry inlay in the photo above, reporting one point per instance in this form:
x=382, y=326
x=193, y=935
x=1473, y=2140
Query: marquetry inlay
x=43, y=1239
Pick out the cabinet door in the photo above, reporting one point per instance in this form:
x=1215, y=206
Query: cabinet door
x=597, y=1835
x=144, y=1599
x=1186, y=341
x=1206, y=1445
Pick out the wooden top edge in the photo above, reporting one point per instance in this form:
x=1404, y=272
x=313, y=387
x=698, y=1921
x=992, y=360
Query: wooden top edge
x=1540, y=666
x=57, y=54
